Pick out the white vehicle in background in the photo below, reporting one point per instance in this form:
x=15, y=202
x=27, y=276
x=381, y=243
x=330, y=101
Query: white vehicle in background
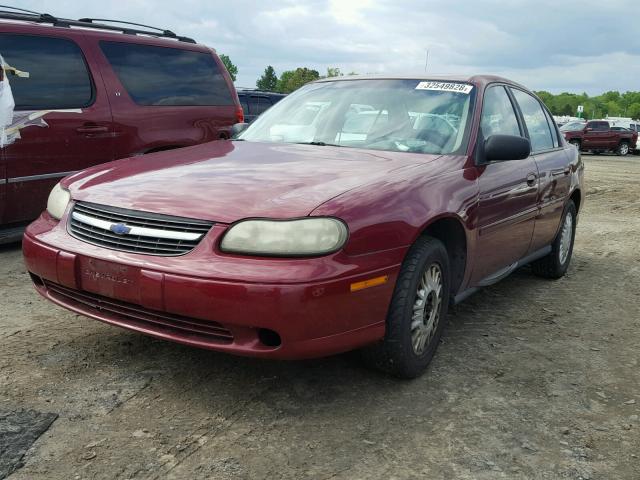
x=573, y=126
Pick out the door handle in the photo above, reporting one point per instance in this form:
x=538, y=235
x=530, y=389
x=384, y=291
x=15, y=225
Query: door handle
x=531, y=179
x=567, y=170
x=92, y=128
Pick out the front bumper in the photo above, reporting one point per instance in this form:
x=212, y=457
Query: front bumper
x=198, y=299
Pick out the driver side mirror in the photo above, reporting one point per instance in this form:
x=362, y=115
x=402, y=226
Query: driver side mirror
x=506, y=147
x=588, y=129
x=238, y=128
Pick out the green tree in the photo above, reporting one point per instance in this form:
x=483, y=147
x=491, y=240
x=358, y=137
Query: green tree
x=634, y=110
x=268, y=81
x=613, y=109
x=566, y=109
x=231, y=68
x=291, y=80
x=334, y=72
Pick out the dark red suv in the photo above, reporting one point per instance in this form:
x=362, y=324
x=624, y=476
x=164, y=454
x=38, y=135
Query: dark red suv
x=94, y=94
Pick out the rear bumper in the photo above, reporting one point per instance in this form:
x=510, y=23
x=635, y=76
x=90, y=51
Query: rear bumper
x=310, y=318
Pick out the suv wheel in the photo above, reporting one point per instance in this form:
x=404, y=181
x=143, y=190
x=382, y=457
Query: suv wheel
x=555, y=264
x=417, y=312
x=623, y=149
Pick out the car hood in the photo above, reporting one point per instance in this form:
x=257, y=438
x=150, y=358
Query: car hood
x=226, y=181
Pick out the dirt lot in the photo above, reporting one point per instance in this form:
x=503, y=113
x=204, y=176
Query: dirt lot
x=534, y=380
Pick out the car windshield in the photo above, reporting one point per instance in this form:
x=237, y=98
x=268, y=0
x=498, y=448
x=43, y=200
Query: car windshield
x=572, y=127
x=395, y=115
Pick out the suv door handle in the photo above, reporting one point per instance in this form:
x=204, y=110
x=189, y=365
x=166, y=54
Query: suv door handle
x=531, y=179
x=92, y=128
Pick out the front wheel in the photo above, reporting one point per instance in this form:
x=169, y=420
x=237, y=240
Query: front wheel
x=555, y=264
x=623, y=149
x=417, y=313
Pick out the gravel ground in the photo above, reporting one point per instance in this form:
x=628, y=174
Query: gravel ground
x=535, y=379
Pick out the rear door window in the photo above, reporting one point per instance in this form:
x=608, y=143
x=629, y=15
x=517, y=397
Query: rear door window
x=58, y=76
x=553, y=128
x=535, y=120
x=164, y=76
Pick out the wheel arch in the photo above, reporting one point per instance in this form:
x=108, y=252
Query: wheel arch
x=576, y=197
x=450, y=230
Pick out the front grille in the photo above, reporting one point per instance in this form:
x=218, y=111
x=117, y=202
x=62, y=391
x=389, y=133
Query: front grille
x=140, y=318
x=134, y=231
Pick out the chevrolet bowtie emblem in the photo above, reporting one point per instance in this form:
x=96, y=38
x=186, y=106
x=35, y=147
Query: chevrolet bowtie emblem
x=120, y=229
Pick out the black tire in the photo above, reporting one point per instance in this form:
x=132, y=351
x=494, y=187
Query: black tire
x=623, y=149
x=575, y=143
x=395, y=354
x=552, y=265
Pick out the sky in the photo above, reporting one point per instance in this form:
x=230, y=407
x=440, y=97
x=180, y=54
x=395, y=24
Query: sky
x=588, y=46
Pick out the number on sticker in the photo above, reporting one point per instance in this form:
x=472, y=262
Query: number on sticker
x=445, y=87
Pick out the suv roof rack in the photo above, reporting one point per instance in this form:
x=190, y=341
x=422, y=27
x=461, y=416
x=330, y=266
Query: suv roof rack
x=256, y=90
x=15, y=13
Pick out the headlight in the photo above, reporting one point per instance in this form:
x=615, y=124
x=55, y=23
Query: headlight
x=308, y=236
x=58, y=200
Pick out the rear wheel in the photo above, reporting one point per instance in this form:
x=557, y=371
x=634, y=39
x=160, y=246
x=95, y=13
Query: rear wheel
x=417, y=313
x=555, y=264
x=623, y=149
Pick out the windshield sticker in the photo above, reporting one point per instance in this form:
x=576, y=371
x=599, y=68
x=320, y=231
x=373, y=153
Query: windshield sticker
x=445, y=87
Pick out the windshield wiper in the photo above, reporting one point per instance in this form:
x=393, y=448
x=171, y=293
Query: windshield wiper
x=319, y=144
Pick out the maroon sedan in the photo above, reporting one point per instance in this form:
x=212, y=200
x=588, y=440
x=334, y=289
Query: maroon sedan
x=347, y=216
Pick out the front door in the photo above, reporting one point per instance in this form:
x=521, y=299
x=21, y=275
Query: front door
x=597, y=135
x=63, y=117
x=508, y=193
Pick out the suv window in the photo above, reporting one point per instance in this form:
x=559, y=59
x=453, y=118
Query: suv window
x=498, y=116
x=598, y=126
x=58, y=75
x=258, y=105
x=534, y=118
x=243, y=103
x=164, y=76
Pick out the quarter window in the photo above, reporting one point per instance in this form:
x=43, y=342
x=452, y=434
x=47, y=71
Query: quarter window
x=259, y=105
x=498, y=117
x=58, y=76
x=164, y=76
x=534, y=118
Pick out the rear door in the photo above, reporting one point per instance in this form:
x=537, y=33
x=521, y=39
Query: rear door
x=65, y=118
x=508, y=192
x=165, y=97
x=553, y=167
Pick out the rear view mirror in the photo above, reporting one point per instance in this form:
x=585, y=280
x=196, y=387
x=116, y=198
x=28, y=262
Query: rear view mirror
x=238, y=128
x=506, y=147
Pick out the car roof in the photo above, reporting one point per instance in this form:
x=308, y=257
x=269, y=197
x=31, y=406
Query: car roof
x=478, y=80
x=34, y=28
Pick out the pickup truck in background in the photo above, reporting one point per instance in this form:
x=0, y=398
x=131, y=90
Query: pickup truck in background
x=598, y=136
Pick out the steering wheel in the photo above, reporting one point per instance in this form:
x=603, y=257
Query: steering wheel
x=433, y=136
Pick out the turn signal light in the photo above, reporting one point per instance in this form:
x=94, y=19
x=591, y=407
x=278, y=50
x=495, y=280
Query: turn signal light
x=372, y=282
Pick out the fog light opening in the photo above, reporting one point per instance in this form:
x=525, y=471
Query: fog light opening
x=269, y=338
x=36, y=279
